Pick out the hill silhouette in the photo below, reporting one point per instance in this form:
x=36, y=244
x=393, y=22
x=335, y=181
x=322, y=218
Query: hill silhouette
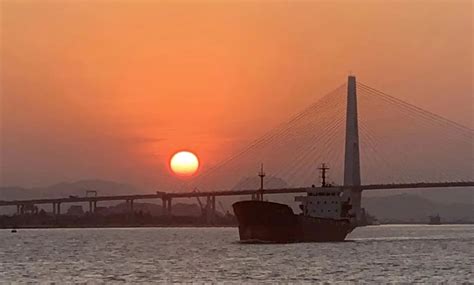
x=65, y=189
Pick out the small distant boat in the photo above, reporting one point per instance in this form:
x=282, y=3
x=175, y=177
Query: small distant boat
x=13, y=231
x=435, y=220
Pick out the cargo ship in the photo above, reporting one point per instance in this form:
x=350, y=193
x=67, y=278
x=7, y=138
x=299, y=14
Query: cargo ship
x=326, y=217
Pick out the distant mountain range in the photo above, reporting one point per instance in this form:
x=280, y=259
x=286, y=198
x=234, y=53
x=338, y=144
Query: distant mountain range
x=394, y=206
x=414, y=208
x=64, y=189
x=178, y=209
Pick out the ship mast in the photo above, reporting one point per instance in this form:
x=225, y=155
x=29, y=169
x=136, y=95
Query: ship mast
x=323, y=170
x=261, y=174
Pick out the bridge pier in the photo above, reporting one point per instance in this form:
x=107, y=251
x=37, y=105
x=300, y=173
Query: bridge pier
x=169, y=209
x=257, y=196
x=208, y=210
x=163, y=206
x=18, y=209
x=166, y=206
x=130, y=207
x=92, y=207
x=56, y=208
x=213, y=201
x=356, y=198
x=211, y=209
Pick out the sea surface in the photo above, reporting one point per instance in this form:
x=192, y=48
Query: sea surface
x=375, y=254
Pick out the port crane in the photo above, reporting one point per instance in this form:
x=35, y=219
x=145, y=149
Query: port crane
x=201, y=206
x=208, y=211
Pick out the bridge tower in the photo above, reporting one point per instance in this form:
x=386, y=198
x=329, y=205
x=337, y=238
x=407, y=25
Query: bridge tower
x=351, y=156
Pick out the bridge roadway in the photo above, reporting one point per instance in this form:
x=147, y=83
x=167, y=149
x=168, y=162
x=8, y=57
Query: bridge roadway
x=167, y=197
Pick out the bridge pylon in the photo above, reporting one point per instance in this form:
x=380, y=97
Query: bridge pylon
x=351, y=155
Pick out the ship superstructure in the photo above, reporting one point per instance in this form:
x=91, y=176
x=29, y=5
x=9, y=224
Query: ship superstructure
x=328, y=201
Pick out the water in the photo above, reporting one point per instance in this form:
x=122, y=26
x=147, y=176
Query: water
x=371, y=254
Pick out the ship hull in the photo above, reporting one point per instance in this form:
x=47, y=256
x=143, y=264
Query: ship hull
x=261, y=221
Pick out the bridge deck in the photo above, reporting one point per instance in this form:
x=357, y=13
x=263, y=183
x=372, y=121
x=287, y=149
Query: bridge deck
x=165, y=195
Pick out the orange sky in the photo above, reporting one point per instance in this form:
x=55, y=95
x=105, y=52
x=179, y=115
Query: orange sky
x=110, y=89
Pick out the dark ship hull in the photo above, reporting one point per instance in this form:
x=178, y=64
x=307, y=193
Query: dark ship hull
x=261, y=221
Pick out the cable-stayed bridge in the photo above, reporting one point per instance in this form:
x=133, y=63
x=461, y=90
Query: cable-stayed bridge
x=370, y=140
x=399, y=143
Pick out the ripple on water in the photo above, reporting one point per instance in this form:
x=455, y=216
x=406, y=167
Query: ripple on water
x=373, y=254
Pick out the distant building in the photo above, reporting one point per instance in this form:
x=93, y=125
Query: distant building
x=75, y=210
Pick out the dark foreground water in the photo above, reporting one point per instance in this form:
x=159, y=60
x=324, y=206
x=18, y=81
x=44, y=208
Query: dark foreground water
x=371, y=254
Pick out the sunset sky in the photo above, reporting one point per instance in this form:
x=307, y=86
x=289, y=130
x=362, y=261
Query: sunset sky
x=111, y=89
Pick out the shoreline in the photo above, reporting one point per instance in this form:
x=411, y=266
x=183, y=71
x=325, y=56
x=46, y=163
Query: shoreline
x=114, y=226
x=190, y=226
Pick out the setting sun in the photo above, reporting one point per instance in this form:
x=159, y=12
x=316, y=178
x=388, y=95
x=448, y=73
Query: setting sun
x=184, y=163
